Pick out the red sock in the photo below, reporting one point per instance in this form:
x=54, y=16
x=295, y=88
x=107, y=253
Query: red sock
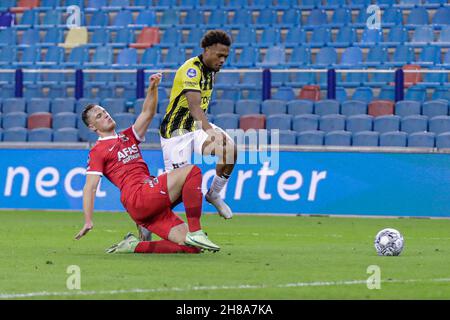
x=163, y=246
x=192, y=198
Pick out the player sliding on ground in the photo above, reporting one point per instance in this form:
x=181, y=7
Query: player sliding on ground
x=185, y=128
x=149, y=200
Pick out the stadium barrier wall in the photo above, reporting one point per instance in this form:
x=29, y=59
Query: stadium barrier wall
x=322, y=180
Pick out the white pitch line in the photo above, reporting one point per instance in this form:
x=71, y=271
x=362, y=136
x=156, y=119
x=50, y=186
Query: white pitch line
x=206, y=288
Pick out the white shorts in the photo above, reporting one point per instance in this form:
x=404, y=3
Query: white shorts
x=177, y=151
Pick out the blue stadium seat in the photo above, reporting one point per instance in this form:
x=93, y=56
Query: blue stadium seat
x=231, y=94
x=353, y=107
x=266, y=17
x=124, y=120
x=30, y=37
x=7, y=37
x=306, y=4
x=371, y=37
x=444, y=36
x=145, y=18
x=365, y=139
x=310, y=138
x=341, y=17
x=430, y=55
x=247, y=58
x=321, y=36
x=113, y=105
x=279, y=79
x=438, y=124
x=332, y=122
x=194, y=38
x=421, y=140
x=407, y=108
x=151, y=57
x=245, y=107
x=65, y=135
x=435, y=108
x=250, y=80
x=40, y=135
x=422, y=35
x=402, y=55
x=169, y=18
x=221, y=106
x=316, y=17
x=274, y=57
x=442, y=140
x=297, y=107
x=325, y=107
x=77, y=57
x=279, y=121
x=286, y=137
x=305, y=122
x=156, y=121
x=376, y=56
x=360, y=122
x=218, y=18
x=417, y=16
x=29, y=56
x=434, y=79
x=338, y=138
x=397, y=35
x=226, y=80
x=123, y=18
x=227, y=121
x=14, y=105
x=174, y=57
x=162, y=106
x=414, y=123
x=170, y=37
x=96, y=4
x=284, y=93
x=351, y=57
x=386, y=123
x=441, y=93
x=299, y=57
x=14, y=119
x=299, y=79
x=38, y=105
x=285, y=4
x=416, y=93
x=392, y=16
x=28, y=20
x=289, y=18
x=294, y=36
x=64, y=120
x=393, y=139
x=341, y=94
x=364, y=94
x=326, y=56
x=15, y=135
x=441, y=16
x=99, y=19
x=345, y=37
x=273, y=106
x=83, y=102
x=245, y=37
x=387, y=93
x=241, y=18
x=152, y=136
x=193, y=18
x=52, y=18
x=100, y=37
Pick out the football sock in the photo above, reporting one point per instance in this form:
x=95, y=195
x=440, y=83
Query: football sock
x=219, y=183
x=163, y=246
x=192, y=198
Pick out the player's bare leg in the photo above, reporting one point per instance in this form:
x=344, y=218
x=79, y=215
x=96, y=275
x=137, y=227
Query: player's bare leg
x=186, y=182
x=226, y=151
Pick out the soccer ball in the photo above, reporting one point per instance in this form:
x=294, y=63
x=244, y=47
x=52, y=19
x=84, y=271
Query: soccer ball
x=389, y=242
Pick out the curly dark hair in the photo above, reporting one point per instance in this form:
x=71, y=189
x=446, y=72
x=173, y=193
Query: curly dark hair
x=215, y=36
x=84, y=114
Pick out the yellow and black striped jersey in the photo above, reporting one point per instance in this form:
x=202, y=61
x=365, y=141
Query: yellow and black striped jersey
x=193, y=75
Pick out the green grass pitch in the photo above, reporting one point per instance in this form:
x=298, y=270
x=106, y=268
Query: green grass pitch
x=262, y=257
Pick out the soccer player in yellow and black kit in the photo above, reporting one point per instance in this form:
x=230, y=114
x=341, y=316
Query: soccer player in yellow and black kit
x=185, y=127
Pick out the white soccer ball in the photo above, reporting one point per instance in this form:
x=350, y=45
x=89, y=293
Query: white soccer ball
x=389, y=242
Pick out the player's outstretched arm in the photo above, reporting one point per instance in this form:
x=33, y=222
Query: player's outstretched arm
x=149, y=106
x=89, y=190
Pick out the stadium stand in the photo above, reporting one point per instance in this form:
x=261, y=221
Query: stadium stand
x=332, y=34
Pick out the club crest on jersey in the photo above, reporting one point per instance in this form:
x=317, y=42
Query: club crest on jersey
x=191, y=73
x=123, y=137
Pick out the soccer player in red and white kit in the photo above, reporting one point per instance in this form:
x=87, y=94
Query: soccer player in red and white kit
x=148, y=200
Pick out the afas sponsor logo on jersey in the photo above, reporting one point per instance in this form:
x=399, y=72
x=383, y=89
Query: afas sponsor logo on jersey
x=127, y=154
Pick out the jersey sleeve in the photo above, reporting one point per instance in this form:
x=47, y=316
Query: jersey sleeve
x=131, y=134
x=95, y=163
x=190, y=78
